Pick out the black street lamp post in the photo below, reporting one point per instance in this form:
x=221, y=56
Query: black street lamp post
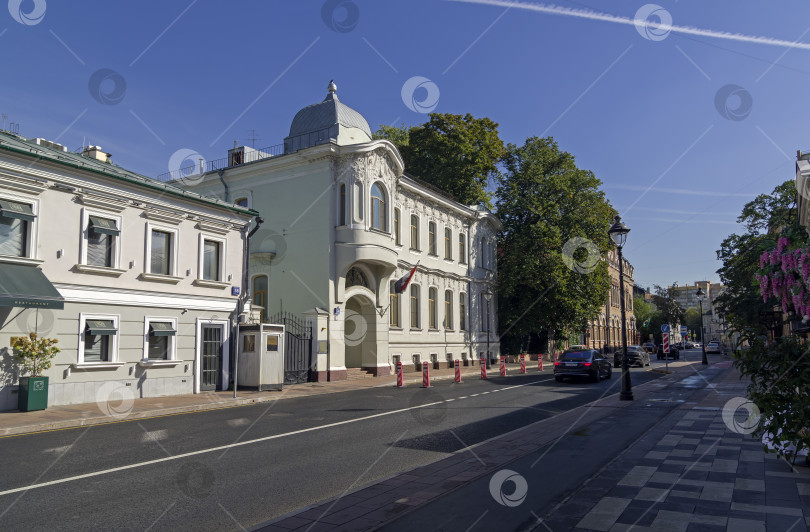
x=702, y=334
x=618, y=233
x=487, y=296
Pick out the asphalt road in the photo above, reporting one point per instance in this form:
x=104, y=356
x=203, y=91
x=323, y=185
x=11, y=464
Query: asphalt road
x=234, y=468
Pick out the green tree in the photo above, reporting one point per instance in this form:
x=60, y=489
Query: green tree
x=692, y=319
x=556, y=221
x=765, y=218
x=458, y=154
x=642, y=310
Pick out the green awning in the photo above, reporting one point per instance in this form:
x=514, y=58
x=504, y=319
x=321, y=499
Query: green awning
x=104, y=226
x=100, y=327
x=13, y=209
x=161, y=328
x=27, y=286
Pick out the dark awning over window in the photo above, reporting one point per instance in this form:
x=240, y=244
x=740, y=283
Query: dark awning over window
x=101, y=327
x=12, y=209
x=161, y=328
x=27, y=286
x=104, y=226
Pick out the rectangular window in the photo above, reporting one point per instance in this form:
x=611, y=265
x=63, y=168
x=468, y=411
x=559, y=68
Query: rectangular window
x=97, y=340
x=462, y=248
x=212, y=255
x=448, y=310
x=161, y=246
x=414, y=232
x=15, y=227
x=462, y=311
x=161, y=340
x=394, y=308
x=414, y=306
x=396, y=228
x=448, y=244
x=432, y=307
x=101, y=238
x=431, y=238
x=342, y=204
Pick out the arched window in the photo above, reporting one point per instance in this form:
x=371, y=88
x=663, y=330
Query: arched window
x=395, y=310
x=431, y=238
x=378, y=220
x=356, y=277
x=448, y=243
x=414, y=232
x=414, y=306
x=448, y=310
x=260, y=298
x=433, y=319
x=397, y=238
x=462, y=311
x=342, y=208
x=462, y=248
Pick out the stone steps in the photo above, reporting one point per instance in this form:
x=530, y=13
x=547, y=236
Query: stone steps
x=357, y=374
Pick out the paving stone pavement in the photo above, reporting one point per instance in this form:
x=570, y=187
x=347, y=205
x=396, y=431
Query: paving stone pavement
x=692, y=473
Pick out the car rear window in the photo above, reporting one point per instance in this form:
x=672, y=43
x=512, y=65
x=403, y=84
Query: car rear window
x=576, y=355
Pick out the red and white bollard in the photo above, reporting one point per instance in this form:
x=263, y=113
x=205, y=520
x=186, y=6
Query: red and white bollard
x=523, y=363
x=399, y=375
x=503, y=366
x=425, y=375
x=458, y=371
x=540, y=362
x=483, y=368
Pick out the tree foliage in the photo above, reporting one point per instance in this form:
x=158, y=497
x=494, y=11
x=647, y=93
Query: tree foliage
x=458, y=154
x=556, y=222
x=34, y=354
x=766, y=217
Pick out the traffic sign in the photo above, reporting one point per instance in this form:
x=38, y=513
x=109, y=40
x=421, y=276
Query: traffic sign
x=665, y=328
x=665, y=342
x=683, y=329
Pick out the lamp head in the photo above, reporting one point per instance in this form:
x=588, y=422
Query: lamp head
x=618, y=232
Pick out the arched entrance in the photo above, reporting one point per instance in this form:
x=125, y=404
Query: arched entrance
x=360, y=332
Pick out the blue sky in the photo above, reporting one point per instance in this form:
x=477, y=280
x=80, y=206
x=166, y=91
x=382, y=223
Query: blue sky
x=683, y=127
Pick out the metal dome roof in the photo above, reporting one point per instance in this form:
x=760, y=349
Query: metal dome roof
x=320, y=122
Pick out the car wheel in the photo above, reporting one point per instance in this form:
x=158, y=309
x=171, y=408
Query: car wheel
x=595, y=377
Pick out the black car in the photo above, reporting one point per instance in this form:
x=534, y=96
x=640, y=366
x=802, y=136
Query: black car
x=587, y=363
x=636, y=355
x=674, y=352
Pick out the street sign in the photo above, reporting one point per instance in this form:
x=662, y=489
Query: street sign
x=683, y=329
x=665, y=342
x=665, y=328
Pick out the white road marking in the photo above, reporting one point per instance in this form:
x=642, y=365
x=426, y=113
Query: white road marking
x=229, y=446
x=154, y=435
x=238, y=422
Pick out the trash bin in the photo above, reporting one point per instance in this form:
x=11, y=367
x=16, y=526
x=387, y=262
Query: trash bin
x=33, y=394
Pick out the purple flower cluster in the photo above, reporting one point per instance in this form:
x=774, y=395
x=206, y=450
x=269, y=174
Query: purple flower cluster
x=783, y=276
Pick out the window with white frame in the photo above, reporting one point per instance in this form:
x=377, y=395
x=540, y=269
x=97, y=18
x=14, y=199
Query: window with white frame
x=101, y=241
x=342, y=206
x=431, y=238
x=162, y=255
x=448, y=243
x=378, y=212
x=462, y=248
x=462, y=311
x=212, y=259
x=448, y=310
x=395, y=319
x=160, y=339
x=398, y=239
x=433, y=321
x=16, y=223
x=415, y=306
x=414, y=232
x=98, y=340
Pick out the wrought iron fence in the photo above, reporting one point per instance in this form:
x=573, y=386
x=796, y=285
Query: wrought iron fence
x=235, y=158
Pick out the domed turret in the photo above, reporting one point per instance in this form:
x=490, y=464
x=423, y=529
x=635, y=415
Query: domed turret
x=327, y=121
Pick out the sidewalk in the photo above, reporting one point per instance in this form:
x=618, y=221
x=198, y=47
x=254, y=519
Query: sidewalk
x=689, y=472
x=126, y=407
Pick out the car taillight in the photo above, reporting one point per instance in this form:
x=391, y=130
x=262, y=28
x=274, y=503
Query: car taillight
x=556, y=363
x=586, y=364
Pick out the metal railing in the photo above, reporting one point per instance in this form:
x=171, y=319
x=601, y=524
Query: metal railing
x=235, y=158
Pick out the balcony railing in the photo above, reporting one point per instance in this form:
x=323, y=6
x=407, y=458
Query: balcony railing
x=234, y=158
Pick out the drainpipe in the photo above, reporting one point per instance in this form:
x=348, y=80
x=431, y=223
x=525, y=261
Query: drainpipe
x=221, y=173
x=245, y=279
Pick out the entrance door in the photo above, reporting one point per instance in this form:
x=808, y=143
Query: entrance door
x=211, y=358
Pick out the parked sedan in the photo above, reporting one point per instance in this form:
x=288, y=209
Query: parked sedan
x=587, y=363
x=713, y=347
x=636, y=355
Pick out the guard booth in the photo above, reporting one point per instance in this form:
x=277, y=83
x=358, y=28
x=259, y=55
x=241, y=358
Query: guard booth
x=261, y=356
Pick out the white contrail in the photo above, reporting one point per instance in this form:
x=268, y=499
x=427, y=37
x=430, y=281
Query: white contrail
x=551, y=9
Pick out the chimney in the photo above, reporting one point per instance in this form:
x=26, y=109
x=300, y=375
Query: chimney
x=95, y=152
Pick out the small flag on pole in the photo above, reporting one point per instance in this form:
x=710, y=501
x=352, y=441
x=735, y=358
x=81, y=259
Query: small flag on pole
x=402, y=284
